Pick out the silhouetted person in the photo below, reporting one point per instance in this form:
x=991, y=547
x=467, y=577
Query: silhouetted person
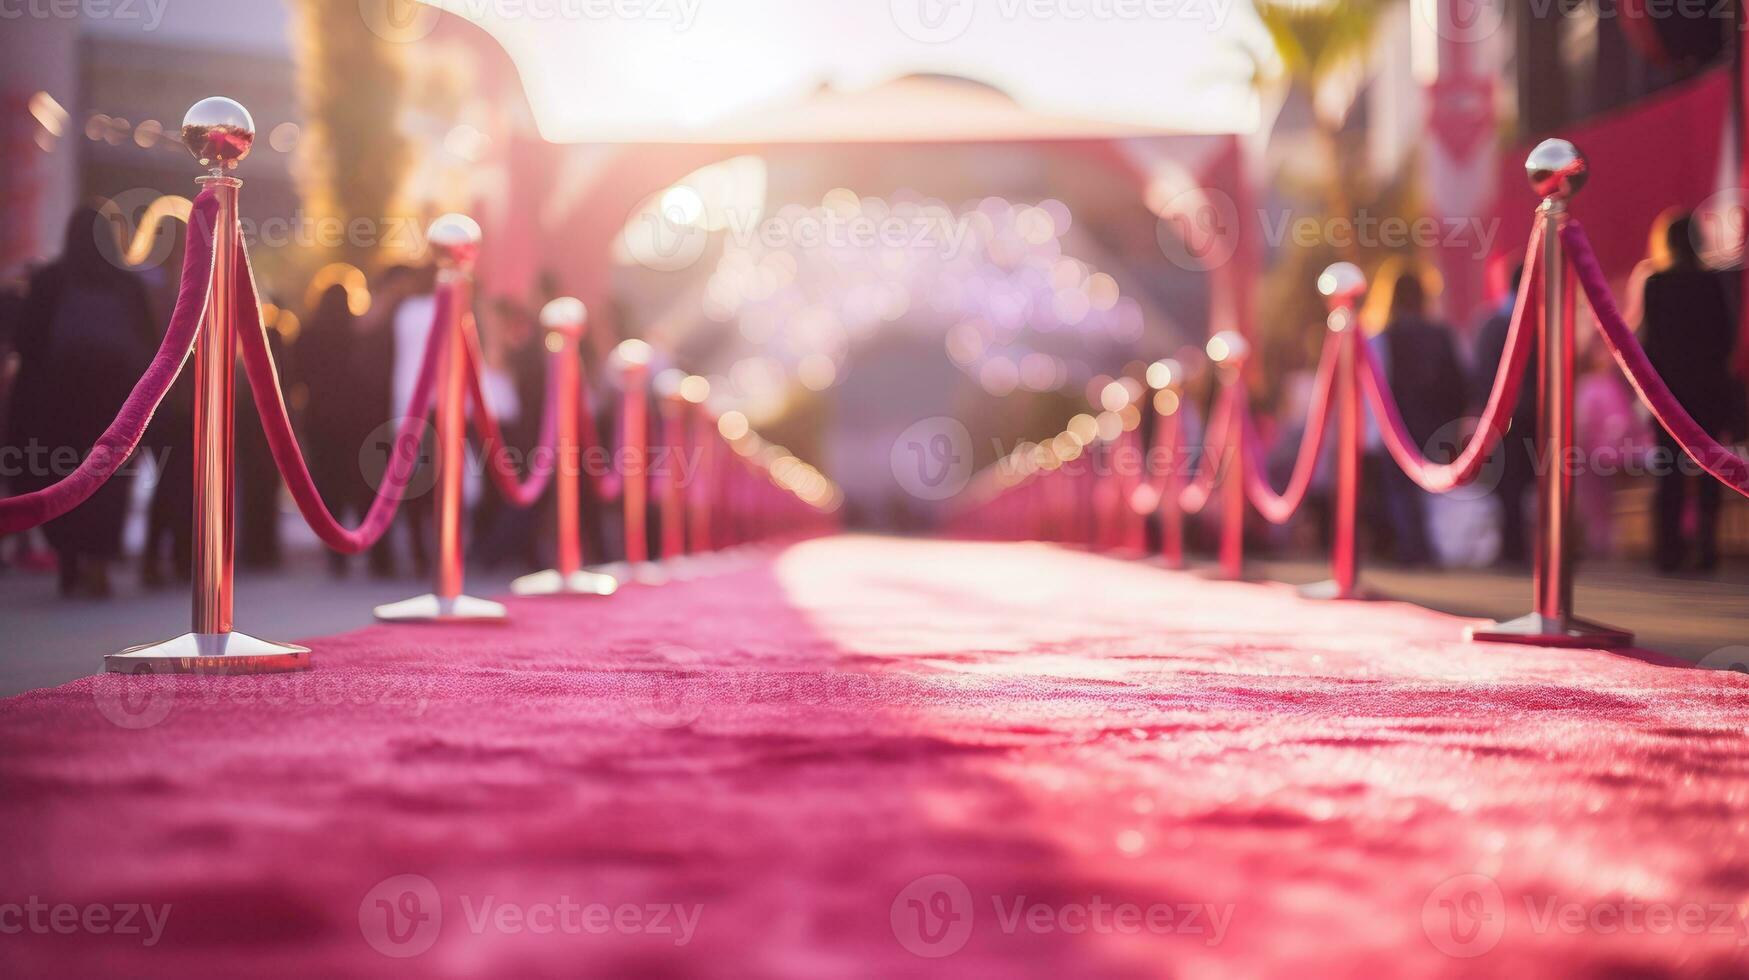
x=411, y=295
x=258, y=481
x=1428, y=384
x=84, y=339
x=1689, y=334
x=1516, y=456
x=336, y=384
x=170, y=440
x=506, y=534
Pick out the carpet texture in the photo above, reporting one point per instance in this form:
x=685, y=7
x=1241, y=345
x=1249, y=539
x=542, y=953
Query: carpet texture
x=869, y=757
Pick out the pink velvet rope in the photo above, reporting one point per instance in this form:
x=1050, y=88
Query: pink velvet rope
x=1726, y=466
x=1279, y=508
x=276, y=423
x=1496, y=416
x=118, y=442
x=607, y=485
x=1196, y=495
x=518, y=492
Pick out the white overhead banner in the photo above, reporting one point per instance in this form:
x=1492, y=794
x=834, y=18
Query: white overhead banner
x=824, y=70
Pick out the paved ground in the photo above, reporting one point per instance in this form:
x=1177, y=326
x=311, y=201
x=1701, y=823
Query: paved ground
x=48, y=641
x=1697, y=619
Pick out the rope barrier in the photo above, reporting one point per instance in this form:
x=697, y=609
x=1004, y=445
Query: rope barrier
x=1496, y=416
x=1195, y=496
x=1718, y=460
x=519, y=492
x=119, y=441
x=1279, y=508
x=263, y=378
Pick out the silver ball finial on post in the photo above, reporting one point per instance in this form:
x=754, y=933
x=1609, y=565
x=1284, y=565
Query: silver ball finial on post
x=1343, y=284
x=219, y=132
x=1557, y=170
x=1228, y=350
x=454, y=240
x=565, y=315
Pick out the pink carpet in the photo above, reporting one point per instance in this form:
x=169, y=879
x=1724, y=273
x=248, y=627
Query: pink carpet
x=867, y=757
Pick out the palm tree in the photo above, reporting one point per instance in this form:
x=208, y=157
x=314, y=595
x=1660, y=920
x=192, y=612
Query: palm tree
x=1323, y=46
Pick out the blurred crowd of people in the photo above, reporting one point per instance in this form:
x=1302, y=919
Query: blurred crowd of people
x=78, y=332
x=1686, y=314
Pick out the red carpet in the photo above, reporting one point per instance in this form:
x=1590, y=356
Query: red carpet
x=1122, y=772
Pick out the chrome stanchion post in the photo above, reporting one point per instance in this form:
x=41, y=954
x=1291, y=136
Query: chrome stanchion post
x=1228, y=351
x=1557, y=171
x=702, y=436
x=455, y=241
x=672, y=508
x=219, y=132
x=1166, y=377
x=633, y=357
x=564, y=320
x=1343, y=286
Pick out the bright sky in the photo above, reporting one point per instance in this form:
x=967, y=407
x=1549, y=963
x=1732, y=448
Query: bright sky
x=680, y=70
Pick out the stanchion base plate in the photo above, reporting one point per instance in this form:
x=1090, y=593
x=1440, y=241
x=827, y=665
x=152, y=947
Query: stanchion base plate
x=554, y=582
x=1329, y=591
x=1218, y=574
x=640, y=573
x=1535, y=629
x=1126, y=554
x=209, y=653
x=432, y=609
